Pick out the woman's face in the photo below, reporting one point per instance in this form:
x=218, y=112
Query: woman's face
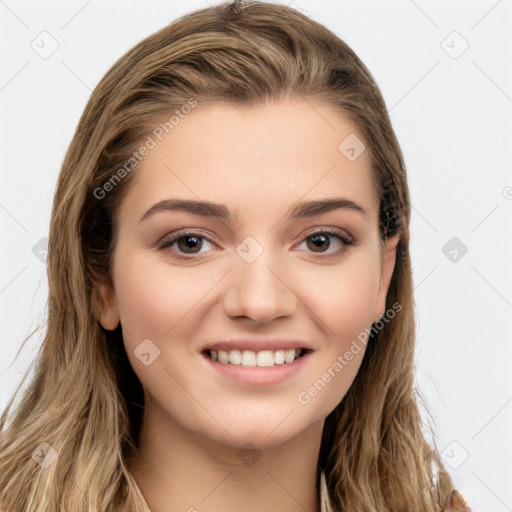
x=222, y=248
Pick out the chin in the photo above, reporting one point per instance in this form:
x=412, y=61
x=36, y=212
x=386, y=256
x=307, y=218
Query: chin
x=260, y=433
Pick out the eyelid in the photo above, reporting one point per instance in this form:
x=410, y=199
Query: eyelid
x=344, y=238
x=331, y=230
x=180, y=233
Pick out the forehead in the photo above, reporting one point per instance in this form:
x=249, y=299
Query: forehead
x=255, y=159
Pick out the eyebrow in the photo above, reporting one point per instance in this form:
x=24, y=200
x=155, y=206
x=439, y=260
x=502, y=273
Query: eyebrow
x=299, y=209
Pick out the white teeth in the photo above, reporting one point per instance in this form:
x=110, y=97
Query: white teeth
x=248, y=358
x=251, y=358
x=289, y=356
x=279, y=357
x=235, y=357
x=223, y=356
x=265, y=358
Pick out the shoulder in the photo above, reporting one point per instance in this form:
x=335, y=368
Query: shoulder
x=456, y=503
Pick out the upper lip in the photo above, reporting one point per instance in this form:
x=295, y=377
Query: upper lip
x=257, y=344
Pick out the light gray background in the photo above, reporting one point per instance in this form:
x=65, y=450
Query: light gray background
x=451, y=108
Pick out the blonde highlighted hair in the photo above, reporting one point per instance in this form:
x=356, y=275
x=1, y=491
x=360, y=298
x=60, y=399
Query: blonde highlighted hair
x=84, y=400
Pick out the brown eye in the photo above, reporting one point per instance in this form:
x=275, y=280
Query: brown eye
x=189, y=243
x=319, y=241
x=186, y=243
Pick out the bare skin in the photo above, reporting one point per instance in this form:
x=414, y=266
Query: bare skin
x=193, y=452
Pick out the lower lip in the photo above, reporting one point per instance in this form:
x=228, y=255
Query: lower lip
x=259, y=375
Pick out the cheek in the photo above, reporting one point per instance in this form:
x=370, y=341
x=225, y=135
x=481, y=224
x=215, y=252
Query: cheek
x=344, y=296
x=151, y=297
x=343, y=302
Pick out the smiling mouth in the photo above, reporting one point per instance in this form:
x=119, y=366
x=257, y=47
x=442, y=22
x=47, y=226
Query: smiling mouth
x=262, y=358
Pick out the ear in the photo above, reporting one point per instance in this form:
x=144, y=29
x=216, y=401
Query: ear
x=105, y=305
x=388, y=265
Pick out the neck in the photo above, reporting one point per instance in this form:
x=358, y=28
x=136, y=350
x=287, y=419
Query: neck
x=178, y=469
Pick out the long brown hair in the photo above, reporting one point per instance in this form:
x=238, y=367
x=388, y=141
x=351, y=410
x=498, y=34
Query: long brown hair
x=84, y=401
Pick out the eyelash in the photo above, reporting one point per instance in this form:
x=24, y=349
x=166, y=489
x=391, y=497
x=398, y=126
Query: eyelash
x=166, y=243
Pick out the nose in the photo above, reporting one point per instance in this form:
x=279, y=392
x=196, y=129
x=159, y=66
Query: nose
x=260, y=291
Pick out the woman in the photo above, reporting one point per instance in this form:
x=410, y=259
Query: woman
x=231, y=319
